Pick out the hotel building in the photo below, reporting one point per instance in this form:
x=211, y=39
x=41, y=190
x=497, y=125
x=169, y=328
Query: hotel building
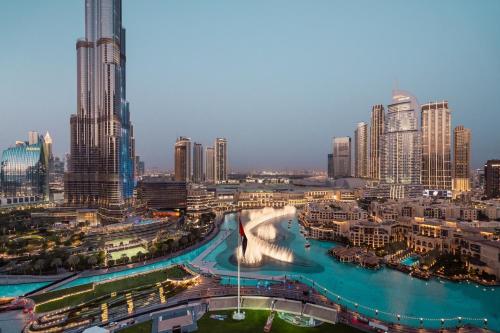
x=341, y=157
x=361, y=151
x=376, y=141
x=197, y=163
x=182, y=151
x=461, y=162
x=492, y=179
x=209, y=164
x=220, y=160
x=401, y=162
x=436, y=146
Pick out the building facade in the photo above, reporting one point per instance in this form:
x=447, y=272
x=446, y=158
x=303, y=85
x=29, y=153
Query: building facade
x=376, y=141
x=361, y=151
x=198, y=163
x=24, y=175
x=330, y=166
x=401, y=161
x=220, y=160
x=101, y=168
x=182, y=159
x=461, y=161
x=209, y=164
x=162, y=194
x=436, y=146
x=342, y=157
x=492, y=179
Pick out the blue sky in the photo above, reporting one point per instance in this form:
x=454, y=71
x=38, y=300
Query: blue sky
x=277, y=78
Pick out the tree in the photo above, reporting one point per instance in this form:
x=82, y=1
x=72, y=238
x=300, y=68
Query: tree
x=72, y=261
x=92, y=260
x=56, y=263
x=165, y=248
x=39, y=265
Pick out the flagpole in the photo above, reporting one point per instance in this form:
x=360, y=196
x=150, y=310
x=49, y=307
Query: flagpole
x=239, y=315
x=239, y=258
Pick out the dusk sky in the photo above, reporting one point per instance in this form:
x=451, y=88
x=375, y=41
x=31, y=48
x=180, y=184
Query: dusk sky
x=278, y=79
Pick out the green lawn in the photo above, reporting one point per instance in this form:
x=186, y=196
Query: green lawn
x=255, y=321
x=108, y=288
x=128, y=252
x=144, y=327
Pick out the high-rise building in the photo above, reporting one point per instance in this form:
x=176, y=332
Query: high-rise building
x=361, y=150
x=24, y=176
x=209, y=165
x=401, y=162
x=220, y=160
x=376, y=141
x=101, y=169
x=140, y=167
x=197, y=163
x=436, y=146
x=341, y=157
x=462, y=156
x=183, y=159
x=492, y=179
x=33, y=137
x=330, y=166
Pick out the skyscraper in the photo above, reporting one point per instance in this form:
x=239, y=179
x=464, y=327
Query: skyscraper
x=492, y=179
x=33, y=137
x=376, y=141
x=183, y=159
x=101, y=169
x=436, y=146
x=361, y=150
x=341, y=157
x=330, y=166
x=401, y=162
x=209, y=164
x=462, y=155
x=220, y=160
x=197, y=163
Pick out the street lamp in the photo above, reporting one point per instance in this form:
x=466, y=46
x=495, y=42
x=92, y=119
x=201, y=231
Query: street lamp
x=399, y=317
x=459, y=321
x=442, y=322
x=485, y=322
x=376, y=312
x=421, y=322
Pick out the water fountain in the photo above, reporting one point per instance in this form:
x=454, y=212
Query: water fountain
x=261, y=233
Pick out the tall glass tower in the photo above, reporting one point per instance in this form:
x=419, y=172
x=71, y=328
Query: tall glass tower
x=401, y=163
x=101, y=166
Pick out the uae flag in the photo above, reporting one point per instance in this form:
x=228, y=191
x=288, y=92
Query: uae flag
x=243, y=238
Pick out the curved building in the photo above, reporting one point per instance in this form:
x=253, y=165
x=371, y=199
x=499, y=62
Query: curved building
x=24, y=173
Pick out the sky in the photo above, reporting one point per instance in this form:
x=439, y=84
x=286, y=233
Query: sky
x=277, y=78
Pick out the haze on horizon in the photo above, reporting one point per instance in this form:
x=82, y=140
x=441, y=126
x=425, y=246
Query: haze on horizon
x=277, y=78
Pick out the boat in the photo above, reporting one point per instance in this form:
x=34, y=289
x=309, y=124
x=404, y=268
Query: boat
x=307, y=245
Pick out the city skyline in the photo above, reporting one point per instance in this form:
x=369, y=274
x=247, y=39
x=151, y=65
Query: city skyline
x=294, y=142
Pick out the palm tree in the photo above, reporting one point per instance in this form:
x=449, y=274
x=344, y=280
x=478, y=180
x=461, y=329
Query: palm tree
x=56, y=262
x=39, y=264
x=92, y=260
x=73, y=260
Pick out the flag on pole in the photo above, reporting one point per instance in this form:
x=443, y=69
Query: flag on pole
x=243, y=237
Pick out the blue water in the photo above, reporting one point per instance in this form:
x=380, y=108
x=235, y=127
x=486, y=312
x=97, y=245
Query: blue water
x=410, y=261
x=385, y=290
x=20, y=289
x=390, y=292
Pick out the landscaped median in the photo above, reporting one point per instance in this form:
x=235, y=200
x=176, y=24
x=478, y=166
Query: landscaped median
x=58, y=299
